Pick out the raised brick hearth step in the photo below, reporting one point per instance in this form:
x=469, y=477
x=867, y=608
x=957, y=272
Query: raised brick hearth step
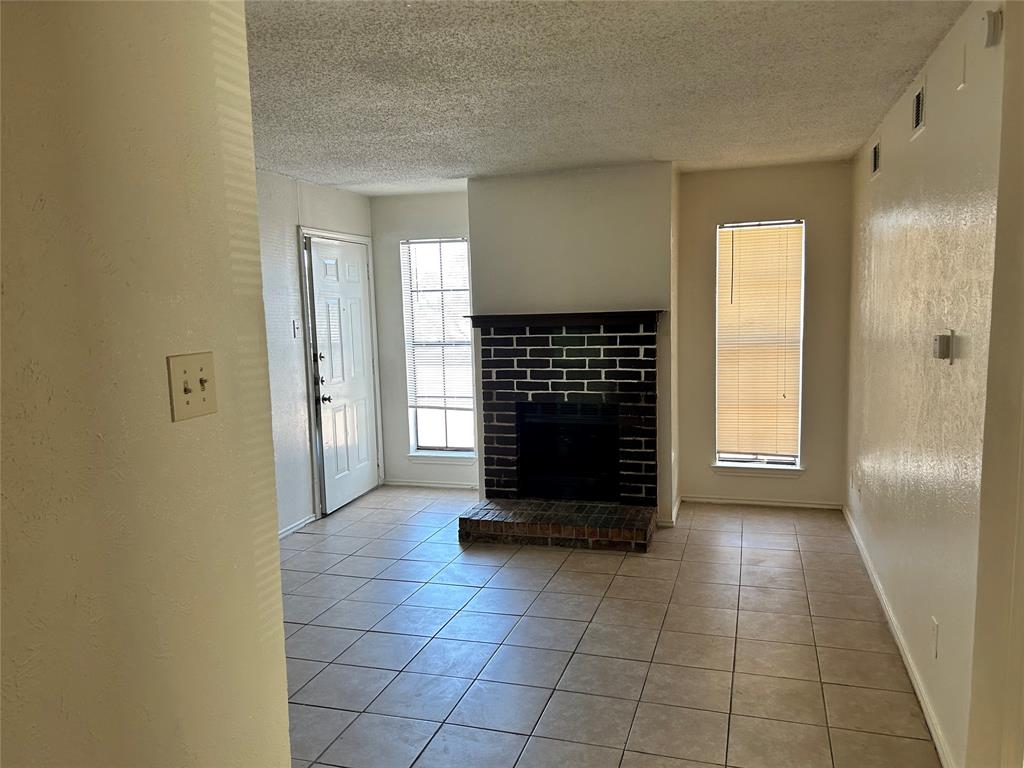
x=590, y=525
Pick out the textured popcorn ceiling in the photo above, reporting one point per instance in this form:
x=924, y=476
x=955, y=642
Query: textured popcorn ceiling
x=384, y=97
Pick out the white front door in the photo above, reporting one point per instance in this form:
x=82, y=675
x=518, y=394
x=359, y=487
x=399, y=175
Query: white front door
x=343, y=366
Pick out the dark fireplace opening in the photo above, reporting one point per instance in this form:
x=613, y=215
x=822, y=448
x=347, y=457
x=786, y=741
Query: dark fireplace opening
x=568, y=451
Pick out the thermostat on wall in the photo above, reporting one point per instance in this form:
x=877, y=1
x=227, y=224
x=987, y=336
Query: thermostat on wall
x=942, y=346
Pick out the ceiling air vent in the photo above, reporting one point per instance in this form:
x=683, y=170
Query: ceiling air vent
x=876, y=158
x=919, y=108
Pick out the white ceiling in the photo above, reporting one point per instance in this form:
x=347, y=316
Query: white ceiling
x=386, y=97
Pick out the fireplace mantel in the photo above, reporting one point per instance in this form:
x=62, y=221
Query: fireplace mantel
x=565, y=318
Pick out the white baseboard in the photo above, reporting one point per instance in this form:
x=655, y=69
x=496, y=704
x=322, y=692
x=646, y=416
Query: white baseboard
x=670, y=523
x=295, y=526
x=941, y=744
x=428, y=483
x=764, y=502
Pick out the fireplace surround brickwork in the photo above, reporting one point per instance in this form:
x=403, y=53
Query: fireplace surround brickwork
x=599, y=359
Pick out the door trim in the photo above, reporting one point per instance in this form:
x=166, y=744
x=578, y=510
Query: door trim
x=310, y=350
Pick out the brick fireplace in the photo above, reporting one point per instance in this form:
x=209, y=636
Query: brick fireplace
x=569, y=404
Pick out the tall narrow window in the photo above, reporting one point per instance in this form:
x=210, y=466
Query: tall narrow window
x=759, y=342
x=438, y=351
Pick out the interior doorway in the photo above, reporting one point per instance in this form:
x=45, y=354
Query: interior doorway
x=340, y=366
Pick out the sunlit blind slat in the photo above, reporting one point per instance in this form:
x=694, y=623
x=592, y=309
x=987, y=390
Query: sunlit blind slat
x=435, y=293
x=759, y=318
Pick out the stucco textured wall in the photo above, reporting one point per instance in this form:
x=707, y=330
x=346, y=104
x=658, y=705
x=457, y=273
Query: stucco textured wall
x=284, y=204
x=397, y=218
x=924, y=239
x=141, y=603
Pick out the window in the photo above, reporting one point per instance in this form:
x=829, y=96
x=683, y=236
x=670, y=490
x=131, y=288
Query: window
x=759, y=342
x=438, y=351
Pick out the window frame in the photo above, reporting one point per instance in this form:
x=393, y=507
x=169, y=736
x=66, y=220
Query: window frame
x=756, y=463
x=425, y=452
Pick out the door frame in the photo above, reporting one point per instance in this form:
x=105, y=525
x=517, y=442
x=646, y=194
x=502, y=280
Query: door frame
x=310, y=351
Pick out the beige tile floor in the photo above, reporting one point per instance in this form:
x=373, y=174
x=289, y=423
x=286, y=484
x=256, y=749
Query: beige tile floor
x=747, y=637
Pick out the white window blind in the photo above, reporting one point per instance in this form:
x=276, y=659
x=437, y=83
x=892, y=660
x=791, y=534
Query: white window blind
x=438, y=336
x=759, y=342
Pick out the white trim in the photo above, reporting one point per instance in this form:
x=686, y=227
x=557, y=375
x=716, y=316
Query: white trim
x=429, y=484
x=757, y=470
x=670, y=523
x=450, y=458
x=295, y=526
x=761, y=502
x=938, y=737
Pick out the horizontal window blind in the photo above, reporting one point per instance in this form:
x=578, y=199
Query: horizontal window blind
x=438, y=335
x=759, y=337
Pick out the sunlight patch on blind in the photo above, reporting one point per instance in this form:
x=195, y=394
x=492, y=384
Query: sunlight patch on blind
x=759, y=337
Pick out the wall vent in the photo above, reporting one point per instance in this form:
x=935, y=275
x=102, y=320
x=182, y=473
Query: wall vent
x=876, y=158
x=919, y=108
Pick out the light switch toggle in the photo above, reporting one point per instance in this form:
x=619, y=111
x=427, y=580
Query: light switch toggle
x=185, y=371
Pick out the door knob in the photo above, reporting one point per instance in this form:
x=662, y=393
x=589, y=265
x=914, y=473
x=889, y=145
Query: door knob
x=323, y=380
x=320, y=356
x=325, y=398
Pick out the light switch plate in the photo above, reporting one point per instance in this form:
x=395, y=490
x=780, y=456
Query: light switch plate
x=193, y=385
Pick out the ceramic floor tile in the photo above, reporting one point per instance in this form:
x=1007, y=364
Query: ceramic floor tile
x=424, y=697
x=779, y=698
x=465, y=574
x=387, y=548
x=714, y=573
x=854, y=635
x=776, y=578
x=690, y=734
x=649, y=568
x=556, y=634
x=411, y=570
x=688, y=687
x=710, y=554
x=839, y=582
x=290, y=628
x=312, y=729
x=691, y=650
x=863, y=668
x=770, y=541
x=344, y=687
x=604, y=676
x=771, y=558
x=501, y=707
x=487, y=554
x=441, y=596
x=292, y=580
x=414, y=620
x=302, y=610
x=622, y=642
x=870, y=750
x=551, y=753
x=704, y=621
x=773, y=600
x=839, y=545
x=632, y=588
x=533, y=579
x=667, y=548
x=593, y=562
x=326, y=585
x=300, y=672
x=551, y=558
x=758, y=657
x=457, y=658
x=705, y=594
x=864, y=709
x=836, y=606
x=777, y=627
x=319, y=643
x=579, y=717
x=352, y=614
x=510, y=601
x=480, y=627
x=357, y=565
x=758, y=743
x=380, y=591
x=380, y=741
x=556, y=605
x=640, y=760
x=708, y=538
x=832, y=561
x=579, y=583
x=415, y=533
x=383, y=651
x=630, y=613
x=316, y=562
x=526, y=666
x=457, y=745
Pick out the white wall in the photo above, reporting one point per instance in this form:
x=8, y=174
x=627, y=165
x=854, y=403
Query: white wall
x=397, y=218
x=284, y=204
x=819, y=193
x=581, y=240
x=923, y=252
x=141, y=589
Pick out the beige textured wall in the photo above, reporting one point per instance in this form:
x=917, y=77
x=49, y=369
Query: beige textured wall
x=996, y=732
x=141, y=604
x=284, y=204
x=589, y=239
x=397, y=218
x=924, y=238
x=820, y=194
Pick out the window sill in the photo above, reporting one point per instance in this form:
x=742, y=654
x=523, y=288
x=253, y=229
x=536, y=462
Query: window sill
x=756, y=471
x=443, y=457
